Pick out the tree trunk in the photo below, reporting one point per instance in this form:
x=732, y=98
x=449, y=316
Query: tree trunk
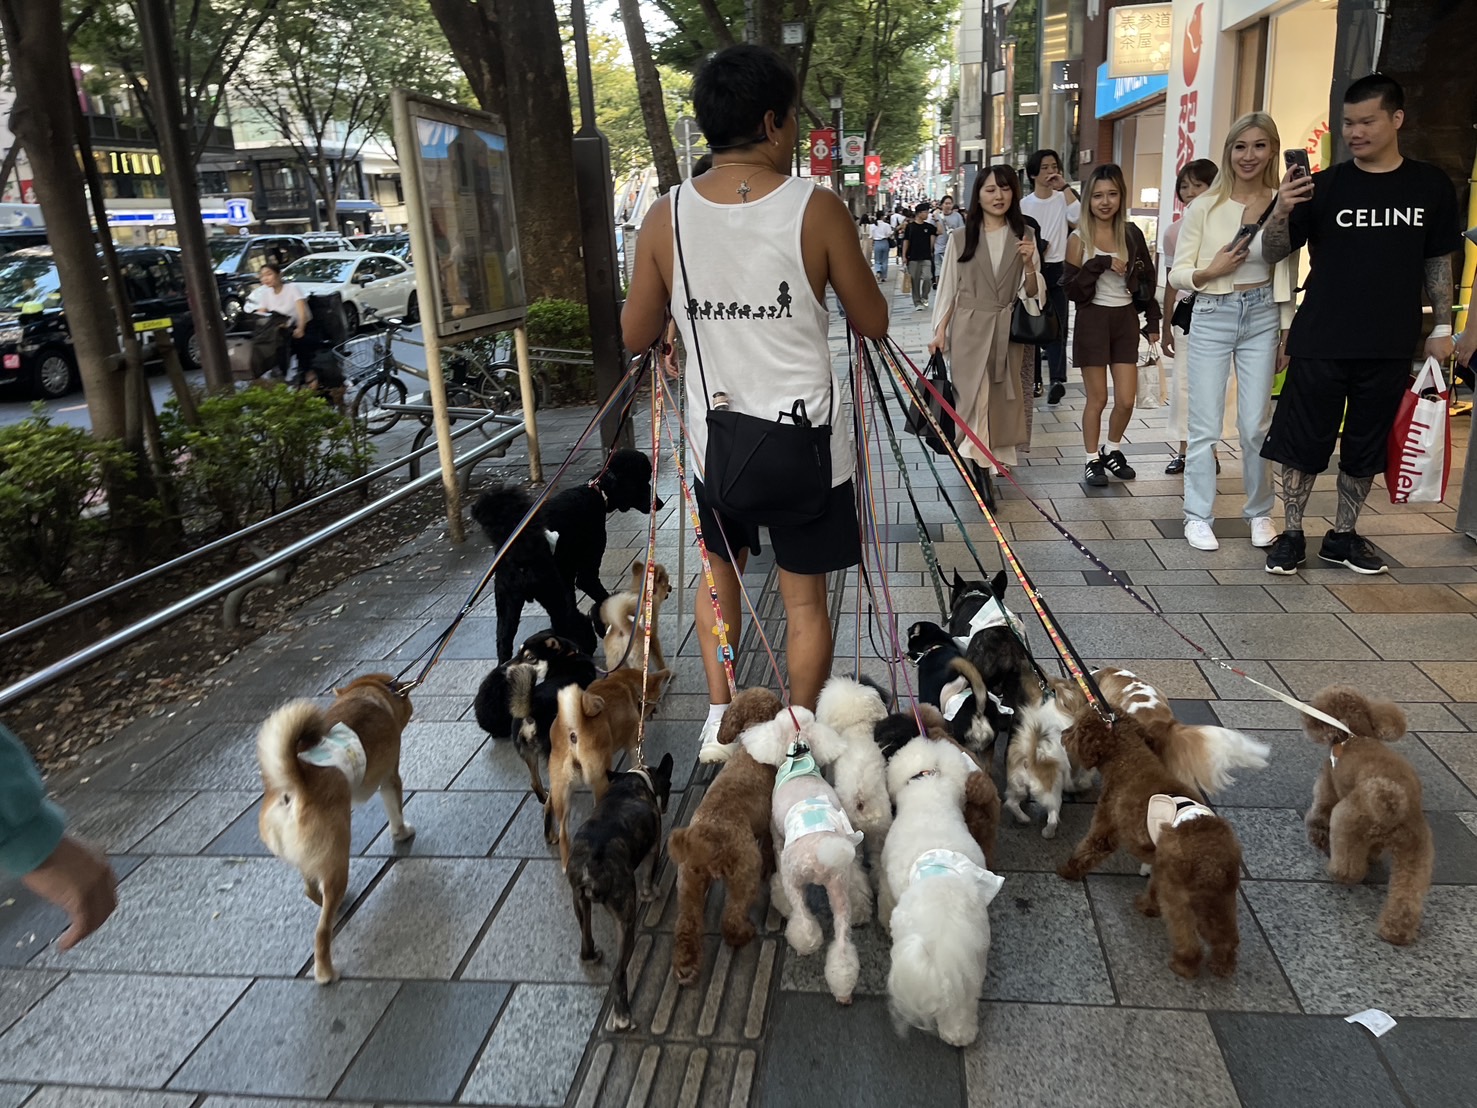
x=722, y=33
x=649, y=90
x=512, y=54
x=42, y=123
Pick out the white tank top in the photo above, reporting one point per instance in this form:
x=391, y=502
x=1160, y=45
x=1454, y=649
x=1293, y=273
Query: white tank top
x=1112, y=288
x=763, y=333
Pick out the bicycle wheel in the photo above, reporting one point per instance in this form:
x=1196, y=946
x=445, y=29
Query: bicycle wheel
x=369, y=405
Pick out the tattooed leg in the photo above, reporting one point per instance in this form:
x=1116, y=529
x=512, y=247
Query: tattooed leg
x=1297, y=486
x=1352, y=492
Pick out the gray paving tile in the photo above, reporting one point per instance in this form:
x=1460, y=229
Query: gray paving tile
x=262, y=1046
x=1458, y=679
x=72, y=1096
x=535, y=936
x=1269, y=715
x=1020, y=847
x=1324, y=936
x=219, y=756
x=1129, y=637
x=1435, y=637
x=422, y=917
x=1312, y=1061
x=426, y=1042
x=1429, y=550
x=497, y=767
x=1214, y=598
x=1309, y=598
x=1138, y=952
x=197, y=822
x=242, y=837
x=1431, y=1062
x=1136, y=1058
x=1288, y=635
x=120, y=1030
x=21, y=989
x=1400, y=681
x=452, y=824
x=185, y=915
x=1458, y=752
x=1233, y=686
x=536, y=1046
x=116, y=820
x=873, y=1067
x=432, y=754
x=269, y=1102
x=1043, y=946
x=13, y=1096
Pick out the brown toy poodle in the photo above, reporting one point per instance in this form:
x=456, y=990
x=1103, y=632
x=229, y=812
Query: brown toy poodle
x=1367, y=802
x=1197, y=861
x=728, y=840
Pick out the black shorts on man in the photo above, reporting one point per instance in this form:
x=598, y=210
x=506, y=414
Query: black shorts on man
x=1306, y=423
x=830, y=543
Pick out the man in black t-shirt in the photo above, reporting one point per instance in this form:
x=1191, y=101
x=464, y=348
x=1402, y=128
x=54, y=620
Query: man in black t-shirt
x=918, y=237
x=1379, y=229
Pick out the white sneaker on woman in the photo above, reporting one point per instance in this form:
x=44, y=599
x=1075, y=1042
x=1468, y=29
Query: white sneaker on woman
x=1201, y=535
x=1263, y=533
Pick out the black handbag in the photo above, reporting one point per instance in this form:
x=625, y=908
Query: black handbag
x=773, y=473
x=1033, y=330
x=916, y=422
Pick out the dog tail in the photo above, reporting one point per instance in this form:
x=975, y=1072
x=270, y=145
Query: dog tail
x=499, y=510
x=1204, y=756
x=940, y=943
x=835, y=852
x=521, y=680
x=963, y=667
x=711, y=850
x=287, y=730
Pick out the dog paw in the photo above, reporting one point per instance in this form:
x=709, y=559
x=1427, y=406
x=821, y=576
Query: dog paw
x=686, y=976
x=1222, y=965
x=646, y=895
x=1401, y=931
x=619, y=1022
x=1049, y=831
x=1318, y=836
x=325, y=975
x=593, y=958
x=1145, y=906
x=1070, y=871
x=1344, y=874
x=406, y=832
x=1187, y=966
x=1020, y=816
x=804, y=935
x=736, y=937
x=1145, y=869
x=844, y=1001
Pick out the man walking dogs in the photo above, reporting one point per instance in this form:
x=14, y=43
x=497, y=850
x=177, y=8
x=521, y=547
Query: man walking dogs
x=1379, y=228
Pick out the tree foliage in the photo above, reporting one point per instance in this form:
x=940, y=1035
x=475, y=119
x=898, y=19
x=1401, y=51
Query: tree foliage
x=617, y=106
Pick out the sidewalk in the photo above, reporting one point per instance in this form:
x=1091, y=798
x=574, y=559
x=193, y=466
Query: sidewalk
x=462, y=982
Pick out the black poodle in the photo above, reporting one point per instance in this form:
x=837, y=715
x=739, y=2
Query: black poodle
x=532, y=571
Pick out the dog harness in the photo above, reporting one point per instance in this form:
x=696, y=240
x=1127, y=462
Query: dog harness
x=341, y=749
x=1171, y=811
x=992, y=613
x=813, y=814
x=941, y=863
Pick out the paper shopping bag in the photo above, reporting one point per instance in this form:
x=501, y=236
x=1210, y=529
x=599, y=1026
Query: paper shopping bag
x=1418, y=460
x=907, y=283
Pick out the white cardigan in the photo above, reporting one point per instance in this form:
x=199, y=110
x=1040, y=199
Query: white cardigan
x=1206, y=227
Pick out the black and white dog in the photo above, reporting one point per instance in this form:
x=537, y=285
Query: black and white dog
x=968, y=598
x=949, y=681
x=604, y=862
x=533, y=701
x=490, y=708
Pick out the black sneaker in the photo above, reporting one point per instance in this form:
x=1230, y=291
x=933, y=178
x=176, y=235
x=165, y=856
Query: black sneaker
x=1095, y=473
x=1118, y=466
x=1037, y=393
x=1348, y=548
x=1288, y=551
x=1058, y=390
x=1176, y=464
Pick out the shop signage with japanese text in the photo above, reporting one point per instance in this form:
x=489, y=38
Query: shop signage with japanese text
x=1139, y=39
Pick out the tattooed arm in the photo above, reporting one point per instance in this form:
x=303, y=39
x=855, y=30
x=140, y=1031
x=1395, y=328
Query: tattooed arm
x=1439, y=292
x=1276, y=239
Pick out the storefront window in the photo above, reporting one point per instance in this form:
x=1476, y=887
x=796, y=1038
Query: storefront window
x=1299, y=72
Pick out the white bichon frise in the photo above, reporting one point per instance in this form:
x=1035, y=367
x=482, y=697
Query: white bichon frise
x=815, y=842
x=935, y=895
x=859, y=771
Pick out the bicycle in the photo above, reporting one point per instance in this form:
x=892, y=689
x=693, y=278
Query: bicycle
x=371, y=370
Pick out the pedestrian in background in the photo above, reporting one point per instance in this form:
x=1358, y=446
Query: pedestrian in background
x=948, y=219
x=881, y=246
x=1056, y=208
x=918, y=237
x=1193, y=179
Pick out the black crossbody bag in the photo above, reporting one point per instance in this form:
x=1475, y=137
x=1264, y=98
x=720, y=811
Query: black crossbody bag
x=1184, y=311
x=769, y=472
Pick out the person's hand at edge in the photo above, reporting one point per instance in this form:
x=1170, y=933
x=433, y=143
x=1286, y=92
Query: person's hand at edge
x=78, y=880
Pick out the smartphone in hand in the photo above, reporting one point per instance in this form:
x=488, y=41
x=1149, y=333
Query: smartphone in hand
x=1297, y=161
x=1243, y=236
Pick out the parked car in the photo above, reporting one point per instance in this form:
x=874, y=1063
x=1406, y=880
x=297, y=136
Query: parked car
x=321, y=242
x=35, y=342
x=364, y=280
x=236, y=259
x=396, y=244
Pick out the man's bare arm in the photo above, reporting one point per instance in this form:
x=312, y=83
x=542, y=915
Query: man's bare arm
x=1276, y=239
x=1438, y=289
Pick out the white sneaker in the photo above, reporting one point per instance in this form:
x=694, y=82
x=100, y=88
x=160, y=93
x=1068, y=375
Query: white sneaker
x=1263, y=533
x=1201, y=535
x=711, y=749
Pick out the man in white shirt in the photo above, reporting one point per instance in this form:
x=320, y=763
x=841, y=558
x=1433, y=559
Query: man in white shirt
x=1056, y=207
x=947, y=219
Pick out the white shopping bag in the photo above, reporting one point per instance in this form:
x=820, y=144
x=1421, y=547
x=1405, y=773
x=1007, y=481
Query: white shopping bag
x=1418, y=460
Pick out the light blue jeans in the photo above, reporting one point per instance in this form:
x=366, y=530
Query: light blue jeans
x=1240, y=329
x=881, y=248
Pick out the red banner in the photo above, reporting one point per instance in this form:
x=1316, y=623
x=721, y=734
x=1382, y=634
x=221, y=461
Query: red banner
x=873, y=172
x=822, y=153
x=948, y=147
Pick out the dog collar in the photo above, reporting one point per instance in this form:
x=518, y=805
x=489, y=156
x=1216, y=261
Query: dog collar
x=645, y=775
x=341, y=749
x=595, y=484
x=796, y=765
x=916, y=658
x=1172, y=811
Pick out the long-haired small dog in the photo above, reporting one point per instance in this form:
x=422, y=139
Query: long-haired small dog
x=1367, y=802
x=593, y=726
x=935, y=896
x=728, y=839
x=316, y=765
x=1198, y=754
x=622, y=615
x=815, y=839
x=853, y=710
x=605, y=862
x=1196, y=860
x=950, y=682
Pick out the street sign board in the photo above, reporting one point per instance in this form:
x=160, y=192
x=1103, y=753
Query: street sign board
x=873, y=171
x=820, y=153
x=1138, y=40
x=238, y=213
x=851, y=177
x=792, y=34
x=853, y=149
x=948, y=153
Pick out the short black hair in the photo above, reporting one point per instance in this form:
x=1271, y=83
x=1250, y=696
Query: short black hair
x=734, y=91
x=1202, y=169
x=1376, y=85
x=1033, y=163
x=923, y=206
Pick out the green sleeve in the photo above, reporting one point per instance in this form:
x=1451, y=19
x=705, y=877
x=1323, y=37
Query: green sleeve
x=30, y=824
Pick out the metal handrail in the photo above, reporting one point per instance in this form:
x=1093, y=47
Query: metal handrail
x=234, y=537
x=47, y=674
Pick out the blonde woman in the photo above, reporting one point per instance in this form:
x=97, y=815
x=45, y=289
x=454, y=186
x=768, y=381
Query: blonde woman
x=1110, y=277
x=1242, y=310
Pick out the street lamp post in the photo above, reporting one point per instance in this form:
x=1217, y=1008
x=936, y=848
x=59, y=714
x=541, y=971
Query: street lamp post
x=836, y=141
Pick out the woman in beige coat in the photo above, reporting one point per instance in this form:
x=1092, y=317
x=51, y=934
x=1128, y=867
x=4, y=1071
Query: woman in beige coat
x=986, y=269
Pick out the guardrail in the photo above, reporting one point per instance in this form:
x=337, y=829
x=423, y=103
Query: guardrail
x=72, y=662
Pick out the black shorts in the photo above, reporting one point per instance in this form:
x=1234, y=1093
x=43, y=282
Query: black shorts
x=1305, y=423
x=1105, y=336
x=830, y=543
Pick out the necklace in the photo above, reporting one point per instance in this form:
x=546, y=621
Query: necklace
x=743, y=190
